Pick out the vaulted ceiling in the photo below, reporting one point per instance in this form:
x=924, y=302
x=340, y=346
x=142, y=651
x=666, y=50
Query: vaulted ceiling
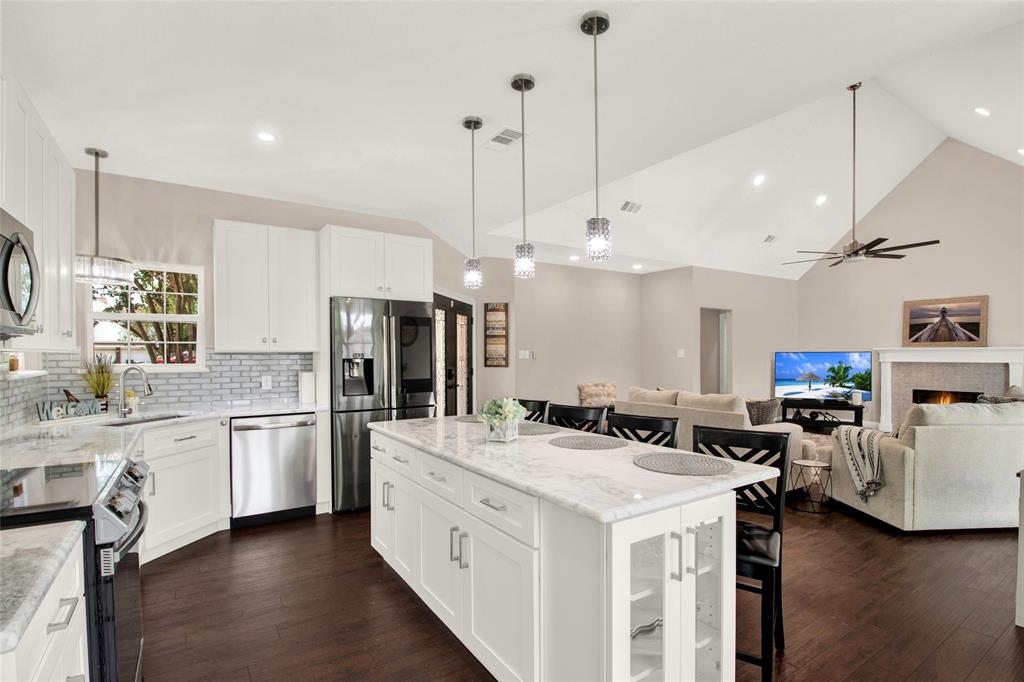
x=366, y=100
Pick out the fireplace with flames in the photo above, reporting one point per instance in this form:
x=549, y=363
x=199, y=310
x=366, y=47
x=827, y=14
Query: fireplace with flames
x=937, y=397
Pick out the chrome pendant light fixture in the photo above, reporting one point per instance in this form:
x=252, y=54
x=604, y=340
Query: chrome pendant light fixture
x=523, y=265
x=97, y=269
x=599, y=233
x=472, y=276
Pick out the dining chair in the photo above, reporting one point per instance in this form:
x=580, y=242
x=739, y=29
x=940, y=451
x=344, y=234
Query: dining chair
x=649, y=430
x=536, y=410
x=758, y=546
x=590, y=419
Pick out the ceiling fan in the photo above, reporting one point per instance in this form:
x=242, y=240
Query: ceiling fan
x=855, y=251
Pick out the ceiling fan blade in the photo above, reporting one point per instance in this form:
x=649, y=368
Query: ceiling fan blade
x=837, y=262
x=872, y=254
x=812, y=260
x=907, y=246
x=872, y=244
x=833, y=253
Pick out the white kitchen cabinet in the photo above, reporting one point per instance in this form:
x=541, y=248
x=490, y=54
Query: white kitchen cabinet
x=382, y=522
x=370, y=264
x=500, y=600
x=440, y=581
x=265, y=288
x=37, y=186
x=188, y=491
x=396, y=533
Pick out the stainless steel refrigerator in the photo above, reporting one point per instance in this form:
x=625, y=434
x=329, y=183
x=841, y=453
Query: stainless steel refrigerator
x=382, y=368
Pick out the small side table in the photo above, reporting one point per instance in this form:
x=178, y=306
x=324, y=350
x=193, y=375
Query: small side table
x=807, y=473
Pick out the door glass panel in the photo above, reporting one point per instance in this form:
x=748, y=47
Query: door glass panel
x=462, y=364
x=439, y=360
x=415, y=368
x=708, y=612
x=647, y=609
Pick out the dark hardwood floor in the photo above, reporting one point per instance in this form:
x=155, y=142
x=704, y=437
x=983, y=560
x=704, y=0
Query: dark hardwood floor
x=309, y=599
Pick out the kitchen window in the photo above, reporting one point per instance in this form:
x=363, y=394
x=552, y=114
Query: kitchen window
x=156, y=321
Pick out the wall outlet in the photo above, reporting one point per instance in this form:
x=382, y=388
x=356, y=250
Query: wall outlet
x=526, y=355
x=266, y=383
x=681, y=353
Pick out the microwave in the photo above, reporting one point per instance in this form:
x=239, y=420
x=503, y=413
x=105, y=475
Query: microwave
x=20, y=279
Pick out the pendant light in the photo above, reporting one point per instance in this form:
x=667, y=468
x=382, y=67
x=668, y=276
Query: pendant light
x=97, y=269
x=472, y=276
x=599, y=234
x=523, y=265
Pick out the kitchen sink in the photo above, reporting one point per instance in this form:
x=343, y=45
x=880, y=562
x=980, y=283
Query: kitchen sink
x=134, y=421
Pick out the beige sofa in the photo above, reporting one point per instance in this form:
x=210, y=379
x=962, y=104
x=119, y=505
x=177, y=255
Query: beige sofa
x=724, y=410
x=953, y=466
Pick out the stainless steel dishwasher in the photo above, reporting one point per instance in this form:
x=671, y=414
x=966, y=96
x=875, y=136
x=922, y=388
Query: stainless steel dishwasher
x=273, y=468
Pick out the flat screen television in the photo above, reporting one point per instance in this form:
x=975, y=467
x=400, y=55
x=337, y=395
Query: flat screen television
x=823, y=375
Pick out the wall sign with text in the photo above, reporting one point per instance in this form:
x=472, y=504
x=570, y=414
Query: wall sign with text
x=496, y=335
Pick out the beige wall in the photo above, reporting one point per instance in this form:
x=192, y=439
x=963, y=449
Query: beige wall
x=499, y=287
x=710, y=350
x=974, y=203
x=583, y=325
x=670, y=320
x=149, y=221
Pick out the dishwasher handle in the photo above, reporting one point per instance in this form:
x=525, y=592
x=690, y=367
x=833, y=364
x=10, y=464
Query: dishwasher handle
x=267, y=427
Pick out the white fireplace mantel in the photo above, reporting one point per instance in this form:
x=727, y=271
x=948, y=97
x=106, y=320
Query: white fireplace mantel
x=1013, y=357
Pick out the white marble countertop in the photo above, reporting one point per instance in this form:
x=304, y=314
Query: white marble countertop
x=602, y=484
x=30, y=559
x=87, y=439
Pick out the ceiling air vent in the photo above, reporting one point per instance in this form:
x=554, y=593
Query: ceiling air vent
x=503, y=139
x=769, y=239
x=630, y=207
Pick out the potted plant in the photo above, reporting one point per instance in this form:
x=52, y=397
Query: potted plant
x=502, y=417
x=99, y=378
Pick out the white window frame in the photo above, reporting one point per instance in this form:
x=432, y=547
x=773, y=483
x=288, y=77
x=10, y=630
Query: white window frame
x=200, y=321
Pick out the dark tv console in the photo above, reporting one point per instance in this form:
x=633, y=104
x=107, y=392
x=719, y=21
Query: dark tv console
x=823, y=420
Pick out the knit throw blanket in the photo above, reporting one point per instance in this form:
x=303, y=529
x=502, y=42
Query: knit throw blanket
x=860, y=447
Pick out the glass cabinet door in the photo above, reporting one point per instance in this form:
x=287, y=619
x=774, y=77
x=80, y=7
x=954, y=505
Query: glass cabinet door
x=647, y=579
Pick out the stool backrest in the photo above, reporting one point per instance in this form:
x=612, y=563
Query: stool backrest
x=589, y=419
x=650, y=430
x=536, y=410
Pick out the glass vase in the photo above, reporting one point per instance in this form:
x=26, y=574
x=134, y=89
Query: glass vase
x=503, y=433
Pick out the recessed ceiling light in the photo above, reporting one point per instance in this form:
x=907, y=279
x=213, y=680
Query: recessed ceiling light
x=265, y=137
x=637, y=266
x=820, y=201
x=758, y=180
x=982, y=111
x=574, y=257
x=1021, y=151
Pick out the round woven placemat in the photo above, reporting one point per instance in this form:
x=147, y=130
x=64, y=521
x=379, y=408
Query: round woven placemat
x=683, y=464
x=469, y=419
x=588, y=442
x=536, y=429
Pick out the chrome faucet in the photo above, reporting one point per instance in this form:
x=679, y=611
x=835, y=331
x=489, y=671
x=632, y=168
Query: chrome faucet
x=125, y=410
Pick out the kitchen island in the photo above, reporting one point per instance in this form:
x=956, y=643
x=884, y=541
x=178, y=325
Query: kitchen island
x=559, y=564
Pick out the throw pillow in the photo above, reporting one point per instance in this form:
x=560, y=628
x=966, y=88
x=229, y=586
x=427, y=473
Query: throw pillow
x=763, y=411
x=716, y=402
x=660, y=397
x=1013, y=394
x=597, y=394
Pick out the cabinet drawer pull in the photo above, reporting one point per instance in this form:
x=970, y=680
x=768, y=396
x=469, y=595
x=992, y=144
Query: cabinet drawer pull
x=184, y=438
x=678, y=575
x=462, y=562
x=452, y=532
x=399, y=459
x=75, y=678
x=70, y=603
x=377, y=448
x=496, y=507
x=439, y=479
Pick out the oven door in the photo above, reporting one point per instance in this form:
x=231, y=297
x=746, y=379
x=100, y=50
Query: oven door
x=123, y=592
x=20, y=279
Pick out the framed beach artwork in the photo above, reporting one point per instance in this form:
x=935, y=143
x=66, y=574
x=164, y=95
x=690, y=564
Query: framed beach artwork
x=941, y=322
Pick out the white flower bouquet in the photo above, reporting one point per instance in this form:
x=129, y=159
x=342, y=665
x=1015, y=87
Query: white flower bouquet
x=502, y=417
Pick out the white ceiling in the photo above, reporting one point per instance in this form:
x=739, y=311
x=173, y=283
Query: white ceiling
x=366, y=100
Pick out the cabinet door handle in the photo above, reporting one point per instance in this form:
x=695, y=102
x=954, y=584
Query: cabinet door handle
x=399, y=459
x=384, y=496
x=691, y=568
x=274, y=339
x=496, y=507
x=184, y=438
x=263, y=340
x=452, y=532
x=152, y=483
x=439, y=479
x=68, y=334
x=71, y=603
x=677, y=575
x=462, y=562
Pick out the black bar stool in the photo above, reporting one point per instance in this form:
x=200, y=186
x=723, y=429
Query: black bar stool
x=536, y=410
x=649, y=430
x=590, y=419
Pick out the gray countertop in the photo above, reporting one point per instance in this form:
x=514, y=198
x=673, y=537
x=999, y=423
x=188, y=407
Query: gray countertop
x=602, y=484
x=30, y=559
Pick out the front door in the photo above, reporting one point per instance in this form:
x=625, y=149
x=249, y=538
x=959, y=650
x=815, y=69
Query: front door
x=453, y=333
